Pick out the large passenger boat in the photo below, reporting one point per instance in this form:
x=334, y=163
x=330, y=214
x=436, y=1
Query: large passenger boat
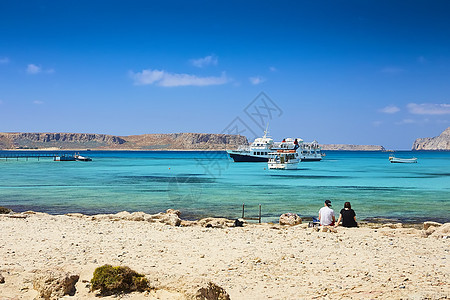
x=261, y=148
x=258, y=151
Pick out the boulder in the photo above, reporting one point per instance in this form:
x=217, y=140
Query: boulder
x=54, y=284
x=442, y=232
x=2, y=279
x=429, y=224
x=290, y=219
x=216, y=222
x=173, y=211
x=4, y=210
x=165, y=218
x=212, y=292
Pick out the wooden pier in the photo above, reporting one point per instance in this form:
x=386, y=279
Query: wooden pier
x=27, y=155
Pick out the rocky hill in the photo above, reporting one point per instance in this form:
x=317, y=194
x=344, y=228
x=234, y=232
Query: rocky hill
x=175, y=141
x=349, y=147
x=441, y=142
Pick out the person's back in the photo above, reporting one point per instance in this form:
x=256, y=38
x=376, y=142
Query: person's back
x=348, y=217
x=326, y=214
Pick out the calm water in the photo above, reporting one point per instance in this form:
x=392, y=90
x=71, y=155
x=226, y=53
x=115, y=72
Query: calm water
x=209, y=184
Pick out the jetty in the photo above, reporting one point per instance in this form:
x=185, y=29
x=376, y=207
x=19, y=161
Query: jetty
x=16, y=155
x=56, y=156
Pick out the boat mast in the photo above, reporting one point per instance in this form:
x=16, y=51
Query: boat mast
x=266, y=131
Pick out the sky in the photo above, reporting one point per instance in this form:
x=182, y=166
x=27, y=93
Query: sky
x=352, y=72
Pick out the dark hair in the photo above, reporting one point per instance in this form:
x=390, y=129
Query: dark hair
x=347, y=205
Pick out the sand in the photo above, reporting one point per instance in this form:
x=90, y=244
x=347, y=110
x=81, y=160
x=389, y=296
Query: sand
x=263, y=261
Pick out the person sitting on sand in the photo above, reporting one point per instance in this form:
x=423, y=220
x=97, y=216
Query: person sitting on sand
x=348, y=216
x=326, y=214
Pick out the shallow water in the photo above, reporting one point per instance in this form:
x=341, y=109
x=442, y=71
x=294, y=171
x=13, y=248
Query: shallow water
x=209, y=184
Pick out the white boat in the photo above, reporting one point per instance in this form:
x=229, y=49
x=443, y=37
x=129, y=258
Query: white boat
x=82, y=158
x=261, y=148
x=283, y=160
x=257, y=152
x=394, y=159
x=310, y=151
x=306, y=151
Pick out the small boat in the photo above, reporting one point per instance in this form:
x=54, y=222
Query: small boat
x=82, y=158
x=283, y=160
x=394, y=159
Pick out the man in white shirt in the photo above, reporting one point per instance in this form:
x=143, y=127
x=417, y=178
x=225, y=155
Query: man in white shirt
x=326, y=214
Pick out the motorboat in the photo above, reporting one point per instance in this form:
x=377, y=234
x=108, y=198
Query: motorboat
x=283, y=160
x=310, y=151
x=394, y=159
x=82, y=158
x=261, y=148
x=258, y=151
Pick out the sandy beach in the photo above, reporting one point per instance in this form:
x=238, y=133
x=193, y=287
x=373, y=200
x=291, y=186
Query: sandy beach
x=257, y=261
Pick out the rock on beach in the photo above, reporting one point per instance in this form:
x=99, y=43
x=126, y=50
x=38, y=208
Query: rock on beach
x=290, y=219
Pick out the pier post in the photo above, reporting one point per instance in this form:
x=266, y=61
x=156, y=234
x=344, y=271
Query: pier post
x=259, y=213
x=243, y=205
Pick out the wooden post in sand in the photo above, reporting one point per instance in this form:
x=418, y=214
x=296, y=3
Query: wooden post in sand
x=260, y=213
x=250, y=218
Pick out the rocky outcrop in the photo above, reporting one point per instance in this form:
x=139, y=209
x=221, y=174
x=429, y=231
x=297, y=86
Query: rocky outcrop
x=54, y=284
x=441, y=231
x=348, y=147
x=290, y=219
x=189, y=141
x=441, y=142
x=173, y=141
x=170, y=217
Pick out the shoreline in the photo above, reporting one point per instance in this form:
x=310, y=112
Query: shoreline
x=378, y=220
x=256, y=261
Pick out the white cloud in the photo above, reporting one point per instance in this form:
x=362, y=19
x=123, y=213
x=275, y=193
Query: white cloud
x=390, y=109
x=210, y=60
x=391, y=70
x=257, y=80
x=34, y=69
x=273, y=69
x=38, y=102
x=413, y=121
x=166, y=79
x=429, y=108
x=4, y=61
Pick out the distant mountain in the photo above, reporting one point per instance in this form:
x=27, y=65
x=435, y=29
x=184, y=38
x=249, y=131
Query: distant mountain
x=349, y=147
x=80, y=141
x=441, y=142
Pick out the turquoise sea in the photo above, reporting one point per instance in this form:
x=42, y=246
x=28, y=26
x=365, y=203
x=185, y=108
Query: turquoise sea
x=209, y=184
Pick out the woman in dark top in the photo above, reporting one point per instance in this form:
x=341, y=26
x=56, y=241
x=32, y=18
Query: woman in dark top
x=348, y=216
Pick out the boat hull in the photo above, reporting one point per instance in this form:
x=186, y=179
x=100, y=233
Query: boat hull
x=280, y=166
x=311, y=159
x=247, y=158
x=395, y=160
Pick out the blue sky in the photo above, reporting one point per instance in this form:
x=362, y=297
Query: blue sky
x=360, y=72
